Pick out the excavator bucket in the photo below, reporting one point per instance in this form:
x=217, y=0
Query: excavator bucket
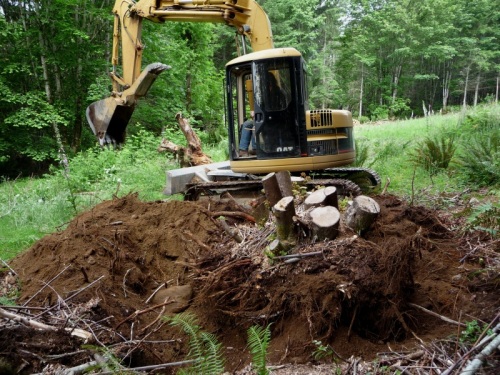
x=108, y=118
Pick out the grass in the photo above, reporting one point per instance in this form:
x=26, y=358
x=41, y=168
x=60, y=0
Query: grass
x=391, y=146
x=33, y=207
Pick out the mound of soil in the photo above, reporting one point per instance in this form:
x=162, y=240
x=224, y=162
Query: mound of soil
x=120, y=267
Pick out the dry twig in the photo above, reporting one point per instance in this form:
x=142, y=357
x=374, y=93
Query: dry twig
x=444, y=318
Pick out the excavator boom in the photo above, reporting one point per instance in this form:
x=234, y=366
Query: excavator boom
x=108, y=118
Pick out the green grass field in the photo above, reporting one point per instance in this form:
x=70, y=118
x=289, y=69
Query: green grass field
x=33, y=207
x=390, y=147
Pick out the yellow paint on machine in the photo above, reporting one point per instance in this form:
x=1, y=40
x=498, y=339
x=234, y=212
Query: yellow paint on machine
x=300, y=164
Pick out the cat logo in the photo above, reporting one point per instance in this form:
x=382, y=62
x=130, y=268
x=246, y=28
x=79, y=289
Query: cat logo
x=284, y=149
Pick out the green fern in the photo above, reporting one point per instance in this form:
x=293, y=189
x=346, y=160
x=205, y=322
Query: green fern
x=213, y=362
x=434, y=154
x=258, y=342
x=203, y=347
x=479, y=160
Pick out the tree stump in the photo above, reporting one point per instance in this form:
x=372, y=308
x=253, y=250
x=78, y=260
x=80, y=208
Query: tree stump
x=187, y=156
x=277, y=186
x=284, y=211
x=325, y=222
x=362, y=213
x=322, y=197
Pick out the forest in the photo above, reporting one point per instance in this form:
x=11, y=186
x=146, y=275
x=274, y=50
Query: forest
x=380, y=59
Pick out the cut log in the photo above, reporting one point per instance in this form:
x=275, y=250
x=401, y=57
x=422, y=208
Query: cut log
x=284, y=211
x=277, y=186
x=362, y=213
x=325, y=222
x=284, y=183
x=322, y=197
x=271, y=189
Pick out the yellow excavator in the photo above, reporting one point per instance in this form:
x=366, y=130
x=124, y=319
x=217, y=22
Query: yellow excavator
x=266, y=95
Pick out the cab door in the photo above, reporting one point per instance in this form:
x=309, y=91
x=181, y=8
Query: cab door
x=276, y=117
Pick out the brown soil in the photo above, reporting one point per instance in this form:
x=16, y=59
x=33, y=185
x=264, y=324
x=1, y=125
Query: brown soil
x=101, y=272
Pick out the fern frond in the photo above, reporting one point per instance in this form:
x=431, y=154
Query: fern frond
x=203, y=347
x=189, y=324
x=258, y=342
x=214, y=362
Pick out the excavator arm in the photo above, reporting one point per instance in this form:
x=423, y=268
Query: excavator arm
x=108, y=118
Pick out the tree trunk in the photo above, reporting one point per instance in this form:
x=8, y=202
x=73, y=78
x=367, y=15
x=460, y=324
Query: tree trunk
x=496, y=91
x=476, y=91
x=446, y=87
x=194, y=154
x=323, y=71
x=48, y=92
x=464, y=104
x=395, y=81
x=362, y=213
x=361, y=91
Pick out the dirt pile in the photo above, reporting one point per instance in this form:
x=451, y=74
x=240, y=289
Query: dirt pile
x=119, y=267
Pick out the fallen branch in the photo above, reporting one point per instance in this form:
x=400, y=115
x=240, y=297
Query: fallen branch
x=444, y=318
x=80, y=369
x=152, y=367
x=155, y=291
x=42, y=326
x=140, y=312
x=478, y=360
x=241, y=215
x=197, y=240
x=231, y=231
x=26, y=321
x=125, y=281
x=387, y=183
x=6, y=265
x=70, y=297
x=479, y=343
x=303, y=255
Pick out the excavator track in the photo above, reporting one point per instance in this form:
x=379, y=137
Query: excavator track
x=195, y=190
x=358, y=175
x=344, y=187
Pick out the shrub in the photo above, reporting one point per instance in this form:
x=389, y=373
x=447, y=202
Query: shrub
x=434, y=154
x=379, y=113
x=479, y=160
x=362, y=148
x=483, y=119
x=486, y=218
x=363, y=119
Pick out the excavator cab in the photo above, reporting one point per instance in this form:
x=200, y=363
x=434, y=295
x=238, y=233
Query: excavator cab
x=270, y=86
